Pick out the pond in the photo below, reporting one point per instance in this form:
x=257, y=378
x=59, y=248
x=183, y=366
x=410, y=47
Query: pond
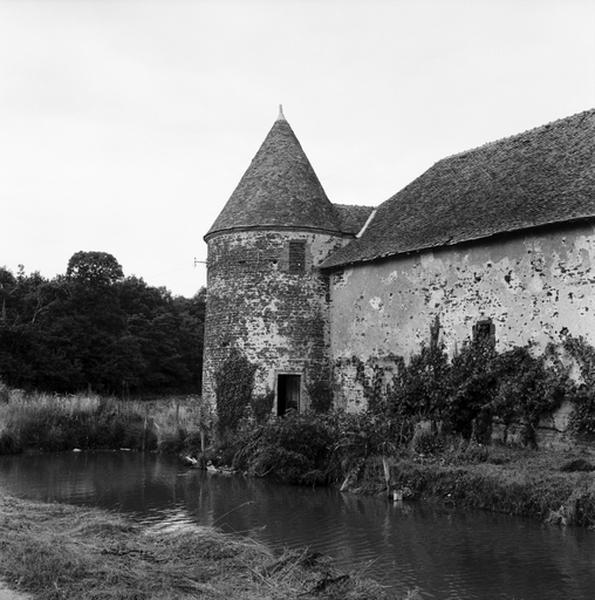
x=446, y=553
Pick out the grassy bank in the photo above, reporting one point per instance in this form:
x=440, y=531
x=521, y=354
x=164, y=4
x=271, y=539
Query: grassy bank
x=553, y=486
x=55, y=551
x=50, y=422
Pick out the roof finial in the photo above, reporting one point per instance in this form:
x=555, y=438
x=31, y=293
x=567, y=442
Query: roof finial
x=281, y=116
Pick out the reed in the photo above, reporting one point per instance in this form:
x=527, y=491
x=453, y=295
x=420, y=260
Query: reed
x=51, y=422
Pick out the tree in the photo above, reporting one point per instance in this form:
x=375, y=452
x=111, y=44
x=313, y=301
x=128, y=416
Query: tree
x=93, y=327
x=94, y=268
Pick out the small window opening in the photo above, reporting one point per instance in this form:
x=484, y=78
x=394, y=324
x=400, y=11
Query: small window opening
x=288, y=393
x=297, y=256
x=484, y=331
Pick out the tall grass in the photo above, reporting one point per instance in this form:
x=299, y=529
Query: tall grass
x=55, y=423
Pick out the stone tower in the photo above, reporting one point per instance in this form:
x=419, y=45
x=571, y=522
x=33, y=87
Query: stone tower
x=265, y=294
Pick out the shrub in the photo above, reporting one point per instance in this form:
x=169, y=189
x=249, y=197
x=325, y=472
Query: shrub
x=426, y=441
x=471, y=386
x=582, y=418
x=262, y=406
x=361, y=435
x=419, y=388
x=530, y=387
x=321, y=395
x=296, y=449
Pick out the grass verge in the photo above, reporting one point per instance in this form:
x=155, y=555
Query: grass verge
x=532, y=483
x=61, y=552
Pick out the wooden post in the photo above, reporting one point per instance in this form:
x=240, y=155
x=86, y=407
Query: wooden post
x=386, y=470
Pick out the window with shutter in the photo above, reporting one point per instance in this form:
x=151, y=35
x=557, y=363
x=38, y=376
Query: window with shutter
x=297, y=256
x=484, y=331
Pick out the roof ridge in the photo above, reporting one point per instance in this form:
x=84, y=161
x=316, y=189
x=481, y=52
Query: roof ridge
x=516, y=135
x=356, y=205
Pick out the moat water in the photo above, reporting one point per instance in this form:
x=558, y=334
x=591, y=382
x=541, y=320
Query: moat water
x=444, y=552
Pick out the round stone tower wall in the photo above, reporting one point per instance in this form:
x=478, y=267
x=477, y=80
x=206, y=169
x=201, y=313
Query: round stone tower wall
x=266, y=297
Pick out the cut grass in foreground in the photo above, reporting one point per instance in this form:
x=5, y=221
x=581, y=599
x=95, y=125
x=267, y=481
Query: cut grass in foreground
x=61, y=552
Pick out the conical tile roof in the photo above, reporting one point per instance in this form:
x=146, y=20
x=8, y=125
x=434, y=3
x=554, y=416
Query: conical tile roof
x=278, y=190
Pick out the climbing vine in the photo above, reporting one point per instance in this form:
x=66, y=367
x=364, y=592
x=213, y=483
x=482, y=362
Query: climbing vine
x=475, y=390
x=234, y=382
x=321, y=395
x=582, y=418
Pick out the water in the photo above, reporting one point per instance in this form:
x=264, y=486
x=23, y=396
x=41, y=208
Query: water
x=447, y=554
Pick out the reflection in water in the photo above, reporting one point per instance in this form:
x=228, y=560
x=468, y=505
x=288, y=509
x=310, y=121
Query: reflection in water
x=447, y=554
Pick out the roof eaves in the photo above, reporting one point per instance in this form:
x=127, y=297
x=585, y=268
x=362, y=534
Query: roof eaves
x=272, y=227
x=330, y=264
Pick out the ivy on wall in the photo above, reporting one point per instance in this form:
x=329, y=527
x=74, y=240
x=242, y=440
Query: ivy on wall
x=479, y=387
x=234, y=382
x=582, y=419
x=321, y=395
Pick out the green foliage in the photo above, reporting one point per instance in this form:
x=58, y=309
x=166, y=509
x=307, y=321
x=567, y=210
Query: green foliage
x=513, y=387
x=262, y=406
x=530, y=388
x=427, y=441
x=584, y=355
x=365, y=434
x=476, y=388
x=234, y=382
x=582, y=418
x=52, y=423
x=471, y=385
x=95, y=328
x=295, y=449
x=416, y=392
x=94, y=268
x=321, y=395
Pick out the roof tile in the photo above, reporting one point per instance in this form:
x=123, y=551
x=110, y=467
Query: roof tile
x=279, y=189
x=539, y=177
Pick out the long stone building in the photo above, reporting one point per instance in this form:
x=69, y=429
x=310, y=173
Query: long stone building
x=496, y=241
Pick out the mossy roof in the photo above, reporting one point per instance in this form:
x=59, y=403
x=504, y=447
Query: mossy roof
x=352, y=217
x=539, y=177
x=279, y=189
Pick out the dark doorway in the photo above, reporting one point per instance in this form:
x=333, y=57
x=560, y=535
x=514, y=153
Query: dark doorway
x=288, y=393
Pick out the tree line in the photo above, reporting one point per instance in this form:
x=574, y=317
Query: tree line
x=94, y=328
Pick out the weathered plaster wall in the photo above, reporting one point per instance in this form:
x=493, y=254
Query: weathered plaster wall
x=533, y=286
x=277, y=318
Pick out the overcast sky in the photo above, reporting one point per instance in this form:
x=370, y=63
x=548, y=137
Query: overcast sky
x=125, y=125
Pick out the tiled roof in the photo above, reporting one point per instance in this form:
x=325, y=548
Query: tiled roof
x=279, y=189
x=351, y=217
x=540, y=177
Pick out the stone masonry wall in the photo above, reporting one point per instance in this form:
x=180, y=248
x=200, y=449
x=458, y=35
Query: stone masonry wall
x=533, y=286
x=277, y=318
